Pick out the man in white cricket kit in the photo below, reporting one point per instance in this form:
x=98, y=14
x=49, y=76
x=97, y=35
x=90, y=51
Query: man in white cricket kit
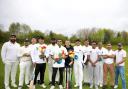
x=25, y=64
x=78, y=64
x=59, y=55
x=49, y=49
x=101, y=51
x=86, y=49
x=10, y=59
x=93, y=58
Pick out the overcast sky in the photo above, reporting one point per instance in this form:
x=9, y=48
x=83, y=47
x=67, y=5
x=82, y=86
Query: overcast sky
x=63, y=16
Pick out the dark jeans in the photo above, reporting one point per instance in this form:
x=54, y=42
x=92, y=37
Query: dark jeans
x=40, y=68
x=61, y=70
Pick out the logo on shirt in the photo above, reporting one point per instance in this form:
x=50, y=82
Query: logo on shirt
x=76, y=57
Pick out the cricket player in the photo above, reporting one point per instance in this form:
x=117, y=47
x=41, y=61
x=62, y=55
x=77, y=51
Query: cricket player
x=101, y=51
x=86, y=49
x=10, y=59
x=25, y=64
x=59, y=55
x=93, y=58
x=78, y=64
x=39, y=60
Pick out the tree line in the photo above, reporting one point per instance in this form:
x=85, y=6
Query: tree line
x=98, y=34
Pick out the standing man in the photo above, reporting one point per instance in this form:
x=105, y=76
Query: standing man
x=101, y=51
x=10, y=59
x=59, y=55
x=93, y=58
x=86, y=70
x=78, y=64
x=49, y=49
x=32, y=46
x=69, y=64
x=25, y=64
x=120, y=63
x=108, y=66
x=39, y=60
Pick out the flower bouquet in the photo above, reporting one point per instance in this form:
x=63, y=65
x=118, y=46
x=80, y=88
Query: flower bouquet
x=58, y=58
x=42, y=50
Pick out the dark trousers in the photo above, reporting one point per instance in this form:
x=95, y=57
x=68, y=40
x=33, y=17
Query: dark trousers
x=40, y=68
x=61, y=70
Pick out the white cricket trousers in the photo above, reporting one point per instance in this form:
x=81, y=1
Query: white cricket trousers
x=86, y=74
x=31, y=71
x=100, y=77
x=24, y=72
x=10, y=68
x=78, y=73
x=94, y=72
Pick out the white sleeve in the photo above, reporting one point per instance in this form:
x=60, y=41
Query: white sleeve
x=47, y=52
x=124, y=54
x=3, y=52
x=20, y=52
x=32, y=53
x=66, y=52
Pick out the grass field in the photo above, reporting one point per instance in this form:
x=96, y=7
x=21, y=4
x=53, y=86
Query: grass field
x=46, y=76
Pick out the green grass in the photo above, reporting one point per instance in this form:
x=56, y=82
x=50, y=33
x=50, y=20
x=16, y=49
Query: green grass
x=46, y=76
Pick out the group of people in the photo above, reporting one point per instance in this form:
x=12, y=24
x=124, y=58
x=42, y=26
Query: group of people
x=90, y=63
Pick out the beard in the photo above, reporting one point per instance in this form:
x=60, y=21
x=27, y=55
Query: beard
x=13, y=40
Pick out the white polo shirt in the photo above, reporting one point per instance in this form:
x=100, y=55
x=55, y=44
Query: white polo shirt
x=55, y=52
x=78, y=54
x=36, y=52
x=93, y=54
x=86, y=50
x=119, y=56
x=9, y=52
x=109, y=60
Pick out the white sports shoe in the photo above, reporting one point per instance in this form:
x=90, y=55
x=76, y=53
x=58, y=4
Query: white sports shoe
x=34, y=87
x=101, y=85
x=43, y=85
x=116, y=86
x=60, y=86
x=91, y=86
x=52, y=87
x=13, y=85
x=96, y=87
x=75, y=85
x=7, y=87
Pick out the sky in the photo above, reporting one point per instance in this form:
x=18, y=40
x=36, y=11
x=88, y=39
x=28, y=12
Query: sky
x=65, y=16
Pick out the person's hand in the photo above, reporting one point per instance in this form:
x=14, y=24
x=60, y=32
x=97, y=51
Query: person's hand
x=93, y=65
x=117, y=64
x=26, y=54
x=42, y=56
x=34, y=64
